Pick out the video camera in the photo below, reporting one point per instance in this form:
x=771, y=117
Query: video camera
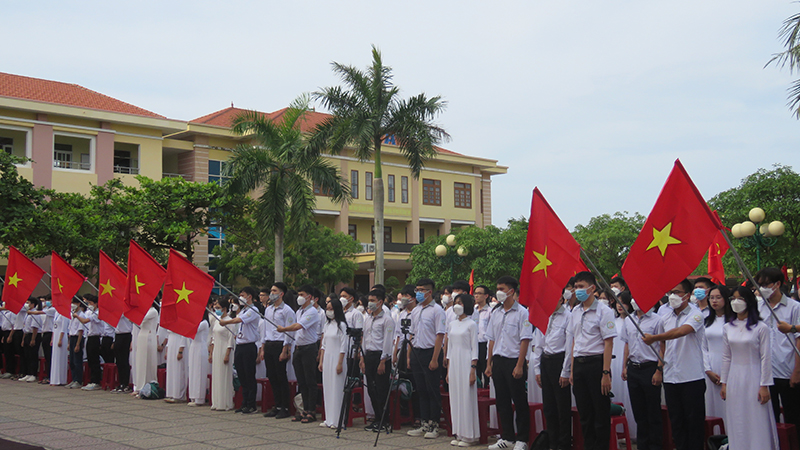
x=405, y=325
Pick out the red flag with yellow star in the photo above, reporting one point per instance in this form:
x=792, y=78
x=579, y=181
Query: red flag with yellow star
x=186, y=291
x=551, y=257
x=111, y=298
x=64, y=284
x=716, y=251
x=672, y=241
x=145, y=277
x=22, y=276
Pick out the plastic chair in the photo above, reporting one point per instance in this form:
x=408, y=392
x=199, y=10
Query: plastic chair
x=711, y=423
x=616, y=436
x=110, y=378
x=787, y=436
x=444, y=421
x=666, y=430
x=42, y=373
x=577, y=434
x=483, y=418
x=267, y=398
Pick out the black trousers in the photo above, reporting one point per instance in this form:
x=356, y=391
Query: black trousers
x=244, y=359
x=106, y=350
x=93, y=358
x=789, y=398
x=508, y=389
x=47, y=349
x=430, y=397
x=76, y=358
x=377, y=385
x=276, y=372
x=31, y=353
x=557, y=402
x=686, y=404
x=483, y=380
x=3, y=335
x=122, y=355
x=305, y=369
x=11, y=352
x=646, y=405
x=16, y=342
x=593, y=407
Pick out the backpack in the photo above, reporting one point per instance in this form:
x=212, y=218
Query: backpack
x=152, y=391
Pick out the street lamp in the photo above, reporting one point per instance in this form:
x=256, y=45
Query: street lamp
x=760, y=237
x=448, y=256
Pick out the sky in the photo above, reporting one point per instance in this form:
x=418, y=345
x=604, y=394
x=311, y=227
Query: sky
x=590, y=101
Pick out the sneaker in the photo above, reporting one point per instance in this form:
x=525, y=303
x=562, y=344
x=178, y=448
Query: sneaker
x=91, y=387
x=372, y=426
x=6, y=375
x=249, y=410
x=500, y=444
x=423, y=428
x=116, y=390
x=75, y=385
x=386, y=428
x=127, y=390
x=468, y=443
x=455, y=442
x=433, y=430
x=238, y=411
x=521, y=445
x=282, y=414
x=191, y=404
x=272, y=412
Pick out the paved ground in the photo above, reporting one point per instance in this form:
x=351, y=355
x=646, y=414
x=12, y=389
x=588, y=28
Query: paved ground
x=58, y=418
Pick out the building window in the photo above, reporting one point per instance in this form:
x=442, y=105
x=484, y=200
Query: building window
x=126, y=158
x=7, y=144
x=354, y=183
x=404, y=189
x=15, y=141
x=391, y=188
x=368, y=186
x=352, y=230
x=215, y=171
x=387, y=235
x=72, y=152
x=463, y=195
x=431, y=192
x=422, y=235
x=318, y=190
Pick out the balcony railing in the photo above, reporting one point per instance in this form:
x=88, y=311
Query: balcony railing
x=394, y=247
x=127, y=170
x=77, y=165
x=176, y=175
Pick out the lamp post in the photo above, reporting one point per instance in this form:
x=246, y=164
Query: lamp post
x=755, y=234
x=448, y=254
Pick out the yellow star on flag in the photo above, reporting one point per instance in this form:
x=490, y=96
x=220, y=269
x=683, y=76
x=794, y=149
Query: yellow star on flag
x=138, y=284
x=107, y=288
x=543, y=261
x=60, y=286
x=183, y=294
x=14, y=280
x=662, y=239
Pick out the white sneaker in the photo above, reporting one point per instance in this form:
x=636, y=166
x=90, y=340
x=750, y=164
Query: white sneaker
x=500, y=444
x=468, y=443
x=521, y=445
x=91, y=387
x=31, y=378
x=433, y=430
x=419, y=431
x=454, y=442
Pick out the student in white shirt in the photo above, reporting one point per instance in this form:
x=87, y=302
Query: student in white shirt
x=481, y=315
x=8, y=319
x=122, y=351
x=246, y=353
x=276, y=347
x=379, y=334
x=31, y=340
x=94, y=334
x=76, y=340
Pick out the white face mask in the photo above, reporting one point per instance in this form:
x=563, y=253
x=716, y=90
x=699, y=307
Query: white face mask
x=242, y=299
x=92, y=307
x=738, y=305
x=344, y=302
x=675, y=301
x=446, y=300
x=568, y=294
x=603, y=301
x=301, y=300
x=74, y=308
x=634, y=305
x=234, y=307
x=766, y=292
x=615, y=290
x=501, y=296
x=329, y=314
x=360, y=309
x=372, y=306
x=693, y=299
x=458, y=310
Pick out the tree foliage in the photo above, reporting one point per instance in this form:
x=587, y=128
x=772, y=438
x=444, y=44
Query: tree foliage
x=790, y=32
x=607, y=239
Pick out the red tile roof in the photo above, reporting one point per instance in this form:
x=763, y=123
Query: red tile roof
x=36, y=89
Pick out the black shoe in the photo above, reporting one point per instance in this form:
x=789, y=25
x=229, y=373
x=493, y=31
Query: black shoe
x=372, y=426
x=239, y=411
x=386, y=428
x=249, y=410
x=282, y=414
x=271, y=413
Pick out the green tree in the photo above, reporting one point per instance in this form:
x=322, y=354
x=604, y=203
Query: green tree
x=777, y=192
x=21, y=204
x=367, y=111
x=282, y=168
x=607, y=239
x=790, y=33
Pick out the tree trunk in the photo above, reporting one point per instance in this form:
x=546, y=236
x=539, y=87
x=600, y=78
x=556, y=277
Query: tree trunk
x=377, y=200
x=279, y=254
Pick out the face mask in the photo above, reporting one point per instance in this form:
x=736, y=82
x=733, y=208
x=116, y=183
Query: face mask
x=446, y=299
x=344, y=302
x=329, y=314
x=27, y=307
x=360, y=309
x=301, y=300
x=582, y=295
x=567, y=294
x=372, y=306
x=404, y=302
x=766, y=292
x=494, y=303
x=615, y=290
x=234, y=307
x=420, y=297
x=738, y=305
x=635, y=305
x=218, y=312
x=675, y=301
x=74, y=308
x=274, y=298
x=48, y=304
x=501, y=296
x=699, y=294
x=92, y=307
x=242, y=300
x=458, y=310
x=604, y=301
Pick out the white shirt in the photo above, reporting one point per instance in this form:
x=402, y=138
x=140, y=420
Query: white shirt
x=787, y=311
x=248, y=329
x=322, y=320
x=354, y=318
x=108, y=330
x=281, y=315
x=507, y=329
x=591, y=327
x=75, y=325
x=426, y=323
x=95, y=325
x=124, y=325
x=556, y=340
x=683, y=357
x=481, y=317
x=49, y=316
x=31, y=322
x=309, y=321
x=8, y=320
x=19, y=321
x=638, y=351
x=379, y=333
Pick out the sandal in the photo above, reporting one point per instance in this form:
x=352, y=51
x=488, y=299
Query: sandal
x=298, y=419
x=309, y=418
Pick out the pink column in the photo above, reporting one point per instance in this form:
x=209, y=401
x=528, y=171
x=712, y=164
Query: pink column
x=42, y=154
x=104, y=156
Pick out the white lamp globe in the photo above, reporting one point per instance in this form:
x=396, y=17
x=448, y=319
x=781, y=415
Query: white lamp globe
x=757, y=215
x=440, y=250
x=776, y=228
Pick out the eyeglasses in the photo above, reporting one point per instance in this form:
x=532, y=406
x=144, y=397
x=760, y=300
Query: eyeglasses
x=422, y=290
x=681, y=293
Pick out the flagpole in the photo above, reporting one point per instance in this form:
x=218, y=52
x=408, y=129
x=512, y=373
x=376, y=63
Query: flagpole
x=625, y=311
x=246, y=306
x=74, y=296
x=749, y=276
x=212, y=313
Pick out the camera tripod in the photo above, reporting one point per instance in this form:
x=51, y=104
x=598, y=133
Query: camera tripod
x=353, y=377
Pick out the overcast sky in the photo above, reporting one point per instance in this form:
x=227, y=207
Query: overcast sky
x=591, y=101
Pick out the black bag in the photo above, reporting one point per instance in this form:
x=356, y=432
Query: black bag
x=542, y=442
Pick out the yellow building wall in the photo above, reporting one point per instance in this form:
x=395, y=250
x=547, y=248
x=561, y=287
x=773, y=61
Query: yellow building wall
x=448, y=209
x=18, y=114
x=26, y=172
x=73, y=181
x=326, y=221
x=150, y=159
x=219, y=155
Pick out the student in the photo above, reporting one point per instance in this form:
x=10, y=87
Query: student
x=481, y=314
x=643, y=373
x=197, y=364
x=700, y=293
x=332, y=363
x=176, y=368
x=16, y=342
x=95, y=331
x=552, y=369
x=785, y=367
x=376, y=359
x=123, y=338
x=746, y=376
x=276, y=347
x=246, y=351
x=305, y=353
x=462, y=352
x=402, y=355
x=10, y=366
x=31, y=340
x=60, y=351
x=428, y=328
x=681, y=327
x=146, y=359
x=76, y=341
x=720, y=313
x=355, y=320
x=509, y=335
x=223, y=341
x=48, y=314
x=593, y=329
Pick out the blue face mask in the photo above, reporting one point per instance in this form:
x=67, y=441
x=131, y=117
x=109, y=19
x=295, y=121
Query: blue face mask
x=218, y=312
x=699, y=294
x=48, y=304
x=420, y=297
x=582, y=295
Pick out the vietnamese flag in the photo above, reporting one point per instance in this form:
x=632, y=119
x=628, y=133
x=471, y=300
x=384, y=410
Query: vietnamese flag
x=716, y=251
x=472, y=282
x=551, y=257
x=145, y=277
x=22, y=276
x=672, y=242
x=64, y=284
x=186, y=292
x=111, y=298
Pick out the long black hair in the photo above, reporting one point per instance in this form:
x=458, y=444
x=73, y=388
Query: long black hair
x=752, y=306
x=727, y=314
x=338, y=310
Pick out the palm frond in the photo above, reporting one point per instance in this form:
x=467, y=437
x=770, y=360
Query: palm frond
x=248, y=168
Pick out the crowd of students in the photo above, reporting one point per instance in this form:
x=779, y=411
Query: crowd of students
x=710, y=350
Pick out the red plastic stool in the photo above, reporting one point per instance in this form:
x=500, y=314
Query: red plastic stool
x=711, y=423
x=444, y=421
x=267, y=398
x=292, y=395
x=208, y=396
x=42, y=373
x=161, y=377
x=533, y=408
x=362, y=412
x=483, y=418
x=666, y=430
x=110, y=377
x=616, y=436
x=397, y=418
x=787, y=436
x=238, y=397
x=320, y=401
x=87, y=377
x=577, y=434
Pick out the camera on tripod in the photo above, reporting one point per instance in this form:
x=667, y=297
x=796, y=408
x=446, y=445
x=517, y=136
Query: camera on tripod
x=405, y=325
x=355, y=332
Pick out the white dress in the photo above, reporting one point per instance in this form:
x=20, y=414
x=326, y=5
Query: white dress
x=161, y=334
x=177, y=379
x=712, y=359
x=198, y=364
x=619, y=387
x=60, y=355
x=746, y=366
x=462, y=349
x=146, y=361
x=334, y=342
x=221, y=373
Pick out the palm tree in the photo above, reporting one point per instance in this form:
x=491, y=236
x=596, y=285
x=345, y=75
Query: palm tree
x=790, y=32
x=282, y=168
x=367, y=111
